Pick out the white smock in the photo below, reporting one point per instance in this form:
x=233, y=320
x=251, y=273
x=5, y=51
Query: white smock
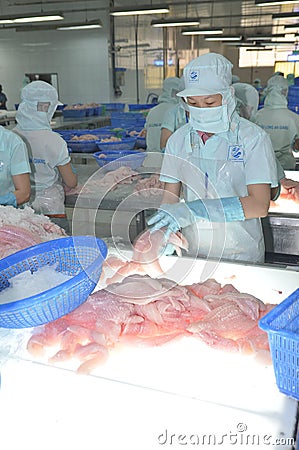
x=155, y=116
x=13, y=159
x=222, y=167
x=279, y=122
x=46, y=149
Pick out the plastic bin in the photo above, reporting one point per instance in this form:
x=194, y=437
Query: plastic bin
x=123, y=144
x=282, y=326
x=140, y=106
x=73, y=113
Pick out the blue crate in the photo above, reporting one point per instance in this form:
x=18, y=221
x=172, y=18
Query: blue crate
x=282, y=326
x=123, y=144
x=114, y=160
x=85, y=146
x=108, y=107
x=73, y=113
x=80, y=257
x=140, y=106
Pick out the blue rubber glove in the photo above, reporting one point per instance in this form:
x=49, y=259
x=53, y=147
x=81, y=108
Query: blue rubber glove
x=180, y=215
x=8, y=199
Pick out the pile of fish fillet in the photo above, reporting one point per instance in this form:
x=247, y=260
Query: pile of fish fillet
x=138, y=306
x=22, y=228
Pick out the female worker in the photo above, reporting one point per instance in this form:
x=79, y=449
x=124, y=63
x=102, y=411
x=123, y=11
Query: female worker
x=225, y=165
x=48, y=154
x=14, y=170
x=281, y=123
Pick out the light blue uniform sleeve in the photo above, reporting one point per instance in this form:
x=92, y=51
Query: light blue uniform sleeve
x=260, y=161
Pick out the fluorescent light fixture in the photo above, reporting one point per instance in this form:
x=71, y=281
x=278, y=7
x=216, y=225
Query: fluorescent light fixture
x=5, y=21
x=264, y=38
x=80, y=26
x=274, y=2
x=132, y=10
x=174, y=22
x=224, y=38
x=37, y=19
x=286, y=15
x=204, y=31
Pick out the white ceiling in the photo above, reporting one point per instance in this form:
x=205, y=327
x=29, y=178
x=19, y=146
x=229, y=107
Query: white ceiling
x=235, y=16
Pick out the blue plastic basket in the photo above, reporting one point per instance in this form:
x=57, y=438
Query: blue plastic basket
x=282, y=326
x=114, y=160
x=79, y=256
x=123, y=144
x=73, y=113
x=140, y=106
x=82, y=146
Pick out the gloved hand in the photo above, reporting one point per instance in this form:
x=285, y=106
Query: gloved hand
x=169, y=250
x=180, y=215
x=8, y=199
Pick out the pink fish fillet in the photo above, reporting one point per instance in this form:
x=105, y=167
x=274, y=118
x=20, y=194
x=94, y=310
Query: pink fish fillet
x=148, y=248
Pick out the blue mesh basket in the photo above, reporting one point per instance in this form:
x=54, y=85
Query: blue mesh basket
x=282, y=326
x=80, y=257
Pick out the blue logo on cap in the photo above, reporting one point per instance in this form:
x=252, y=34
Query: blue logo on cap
x=194, y=75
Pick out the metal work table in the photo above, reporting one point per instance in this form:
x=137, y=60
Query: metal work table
x=121, y=199
x=181, y=388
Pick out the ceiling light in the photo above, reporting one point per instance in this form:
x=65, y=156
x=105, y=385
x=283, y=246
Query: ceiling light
x=80, y=26
x=4, y=21
x=204, y=31
x=286, y=15
x=274, y=2
x=174, y=22
x=224, y=38
x=132, y=10
x=37, y=19
x=263, y=38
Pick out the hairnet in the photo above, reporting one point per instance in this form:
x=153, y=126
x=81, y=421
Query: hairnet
x=170, y=88
x=276, y=92
x=210, y=73
x=39, y=102
x=247, y=100
x=235, y=79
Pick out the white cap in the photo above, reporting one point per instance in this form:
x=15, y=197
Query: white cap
x=40, y=91
x=208, y=74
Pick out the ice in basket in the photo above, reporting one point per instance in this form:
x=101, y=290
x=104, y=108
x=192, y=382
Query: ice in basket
x=282, y=326
x=79, y=257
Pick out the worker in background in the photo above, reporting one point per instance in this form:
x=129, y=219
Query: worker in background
x=281, y=123
x=3, y=99
x=291, y=79
x=166, y=101
x=14, y=170
x=223, y=166
x=235, y=79
x=247, y=107
x=49, y=158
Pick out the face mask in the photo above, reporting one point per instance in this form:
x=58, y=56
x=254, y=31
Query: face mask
x=210, y=120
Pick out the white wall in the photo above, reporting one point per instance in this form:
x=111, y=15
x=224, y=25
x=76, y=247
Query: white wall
x=80, y=58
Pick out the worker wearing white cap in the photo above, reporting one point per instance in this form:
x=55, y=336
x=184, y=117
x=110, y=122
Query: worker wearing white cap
x=223, y=165
x=48, y=153
x=247, y=107
x=154, y=119
x=281, y=123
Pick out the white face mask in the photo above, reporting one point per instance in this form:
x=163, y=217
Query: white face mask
x=210, y=120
